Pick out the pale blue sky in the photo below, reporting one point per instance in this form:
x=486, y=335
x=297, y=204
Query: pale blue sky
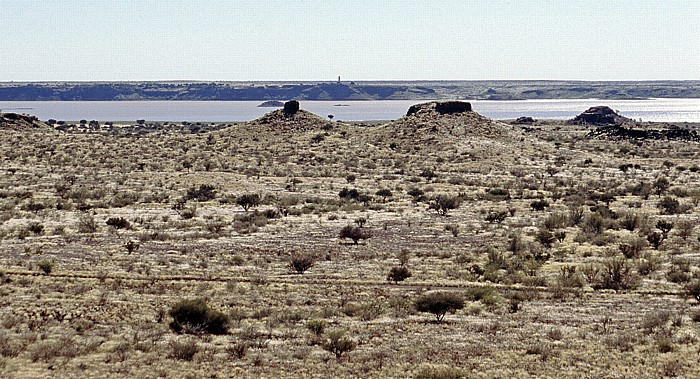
x=302, y=40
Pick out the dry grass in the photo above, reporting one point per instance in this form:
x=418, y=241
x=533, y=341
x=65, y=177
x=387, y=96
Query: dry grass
x=530, y=310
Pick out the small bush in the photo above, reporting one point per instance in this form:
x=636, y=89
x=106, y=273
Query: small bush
x=317, y=327
x=539, y=205
x=247, y=201
x=118, y=223
x=301, y=262
x=355, y=233
x=439, y=303
x=46, y=266
x=87, y=224
x=205, y=192
x=338, y=344
x=398, y=274
x=195, y=316
x=443, y=204
x=183, y=350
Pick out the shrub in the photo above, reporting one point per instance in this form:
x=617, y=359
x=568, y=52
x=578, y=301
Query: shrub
x=46, y=266
x=9, y=347
x=439, y=303
x=195, y=316
x=443, y=203
x=440, y=372
x=539, y=205
x=355, y=233
x=632, y=247
x=205, y=192
x=301, y=262
x=36, y=228
x=693, y=289
x=615, y=274
x=670, y=206
x=183, y=350
x=349, y=194
x=48, y=350
x=118, y=223
x=398, y=274
x=496, y=216
x=316, y=327
x=338, y=344
x=247, y=201
x=384, y=193
x=87, y=224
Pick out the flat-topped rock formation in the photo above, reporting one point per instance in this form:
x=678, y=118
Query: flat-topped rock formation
x=448, y=118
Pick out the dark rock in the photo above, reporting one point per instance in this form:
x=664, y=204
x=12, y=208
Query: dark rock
x=524, y=120
x=621, y=133
x=448, y=107
x=441, y=107
x=291, y=108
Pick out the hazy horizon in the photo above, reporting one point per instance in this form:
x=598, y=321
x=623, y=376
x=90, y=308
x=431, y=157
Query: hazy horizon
x=312, y=40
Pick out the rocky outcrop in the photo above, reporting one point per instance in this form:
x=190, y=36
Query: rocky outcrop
x=440, y=107
x=525, y=120
x=617, y=132
x=291, y=108
x=600, y=115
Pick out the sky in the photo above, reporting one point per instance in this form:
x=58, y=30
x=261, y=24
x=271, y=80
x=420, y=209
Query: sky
x=319, y=40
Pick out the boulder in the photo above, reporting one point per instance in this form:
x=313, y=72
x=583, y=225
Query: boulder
x=524, y=120
x=291, y=108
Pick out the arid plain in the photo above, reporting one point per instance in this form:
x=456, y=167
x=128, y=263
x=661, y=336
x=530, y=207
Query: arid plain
x=568, y=250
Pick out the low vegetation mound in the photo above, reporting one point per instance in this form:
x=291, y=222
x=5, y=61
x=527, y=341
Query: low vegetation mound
x=600, y=115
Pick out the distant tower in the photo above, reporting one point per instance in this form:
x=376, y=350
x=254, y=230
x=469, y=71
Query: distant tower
x=338, y=79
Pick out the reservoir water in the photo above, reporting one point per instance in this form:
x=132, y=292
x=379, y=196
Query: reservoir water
x=660, y=110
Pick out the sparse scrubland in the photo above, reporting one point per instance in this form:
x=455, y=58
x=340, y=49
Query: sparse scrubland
x=439, y=245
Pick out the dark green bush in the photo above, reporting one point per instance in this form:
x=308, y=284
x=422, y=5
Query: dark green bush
x=398, y=274
x=355, y=233
x=439, y=303
x=205, y=192
x=118, y=223
x=443, y=203
x=195, y=316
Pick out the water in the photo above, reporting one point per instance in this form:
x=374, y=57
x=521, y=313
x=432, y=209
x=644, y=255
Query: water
x=660, y=110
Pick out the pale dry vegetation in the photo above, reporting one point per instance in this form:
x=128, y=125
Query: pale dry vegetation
x=219, y=254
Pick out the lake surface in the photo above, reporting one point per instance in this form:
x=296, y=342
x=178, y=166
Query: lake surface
x=662, y=110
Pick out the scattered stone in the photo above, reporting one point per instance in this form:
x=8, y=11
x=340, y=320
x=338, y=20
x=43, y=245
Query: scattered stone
x=618, y=132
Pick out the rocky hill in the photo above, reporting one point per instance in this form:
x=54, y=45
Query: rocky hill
x=16, y=121
x=444, y=120
x=600, y=115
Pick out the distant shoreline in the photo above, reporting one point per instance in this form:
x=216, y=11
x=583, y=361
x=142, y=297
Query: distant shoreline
x=346, y=91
